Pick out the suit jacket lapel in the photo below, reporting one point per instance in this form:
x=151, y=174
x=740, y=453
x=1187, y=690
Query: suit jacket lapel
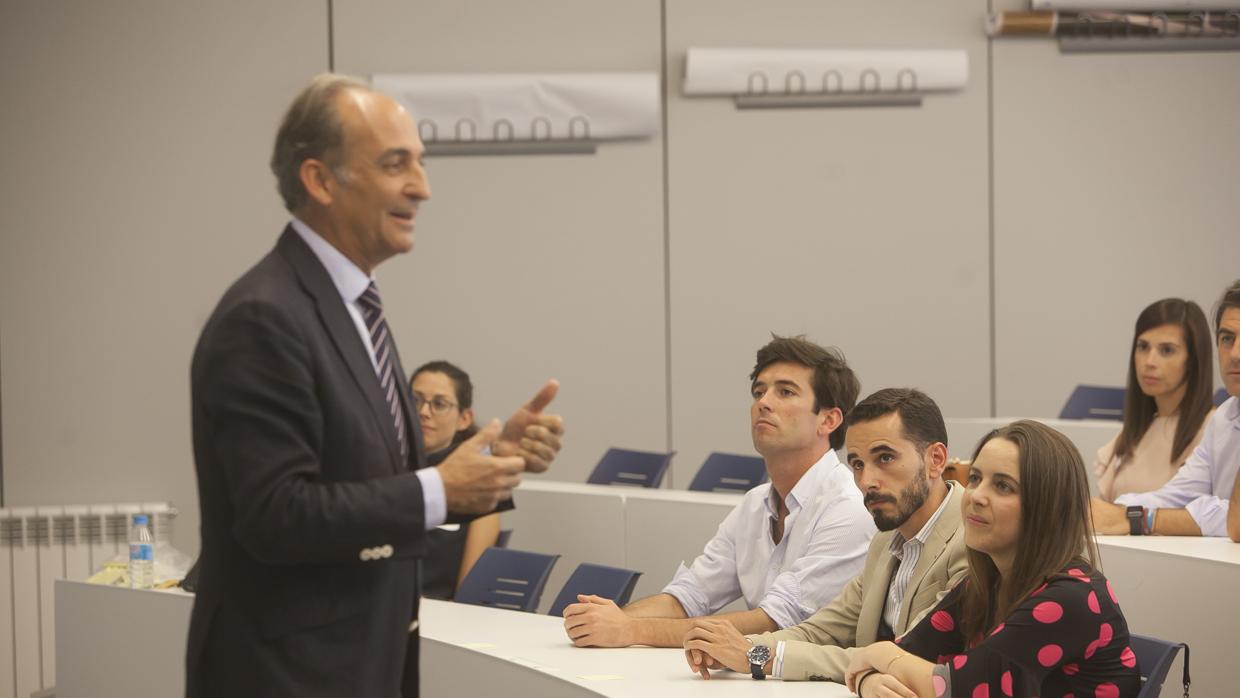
x=877, y=583
x=935, y=547
x=339, y=326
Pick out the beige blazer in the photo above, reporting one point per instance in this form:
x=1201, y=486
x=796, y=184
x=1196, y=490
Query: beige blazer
x=818, y=649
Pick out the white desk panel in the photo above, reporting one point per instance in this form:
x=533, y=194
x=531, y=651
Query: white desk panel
x=113, y=642
x=647, y=530
x=580, y=523
x=1180, y=590
x=474, y=651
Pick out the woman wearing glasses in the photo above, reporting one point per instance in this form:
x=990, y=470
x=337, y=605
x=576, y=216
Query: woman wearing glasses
x=443, y=397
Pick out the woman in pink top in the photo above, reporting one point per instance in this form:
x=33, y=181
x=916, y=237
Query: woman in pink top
x=1170, y=379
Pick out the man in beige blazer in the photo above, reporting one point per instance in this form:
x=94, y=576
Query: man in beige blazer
x=896, y=445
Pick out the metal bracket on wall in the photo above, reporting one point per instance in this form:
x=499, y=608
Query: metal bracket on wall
x=819, y=101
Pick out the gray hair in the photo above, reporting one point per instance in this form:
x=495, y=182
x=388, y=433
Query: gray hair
x=310, y=129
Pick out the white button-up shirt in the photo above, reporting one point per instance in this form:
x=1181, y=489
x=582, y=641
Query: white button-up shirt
x=826, y=536
x=351, y=282
x=1204, y=483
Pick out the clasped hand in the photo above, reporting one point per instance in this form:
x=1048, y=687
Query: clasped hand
x=715, y=644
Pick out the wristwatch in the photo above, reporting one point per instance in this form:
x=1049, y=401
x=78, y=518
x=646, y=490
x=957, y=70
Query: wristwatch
x=1136, y=520
x=758, y=656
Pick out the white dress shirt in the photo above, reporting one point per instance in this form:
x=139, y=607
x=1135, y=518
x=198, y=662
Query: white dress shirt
x=1204, y=483
x=351, y=282
x=826, y=536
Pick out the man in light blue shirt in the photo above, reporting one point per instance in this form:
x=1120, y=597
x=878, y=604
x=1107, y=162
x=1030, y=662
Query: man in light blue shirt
x=791, y=545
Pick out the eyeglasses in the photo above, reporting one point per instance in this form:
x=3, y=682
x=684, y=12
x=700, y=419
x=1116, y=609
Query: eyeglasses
x=437, y=404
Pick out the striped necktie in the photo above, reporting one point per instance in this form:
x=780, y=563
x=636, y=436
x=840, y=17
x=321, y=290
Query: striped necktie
x=381, y=342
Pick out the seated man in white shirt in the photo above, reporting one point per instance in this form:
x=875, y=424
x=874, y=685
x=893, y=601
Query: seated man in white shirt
x=896, y=443
x=791, y=544
x=1196, y=501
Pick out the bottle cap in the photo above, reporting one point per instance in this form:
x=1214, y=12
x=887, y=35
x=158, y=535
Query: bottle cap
x=140, y=520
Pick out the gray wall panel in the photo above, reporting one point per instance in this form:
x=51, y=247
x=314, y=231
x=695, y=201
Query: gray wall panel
x=135, y=189
x=1115, y=185
x=529, y=267
x=865, y=228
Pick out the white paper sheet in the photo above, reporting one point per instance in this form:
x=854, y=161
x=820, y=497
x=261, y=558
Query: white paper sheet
x=729, y=71
x=526, y=107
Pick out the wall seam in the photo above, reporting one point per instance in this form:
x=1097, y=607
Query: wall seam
x=667, y=261
x=990, y=208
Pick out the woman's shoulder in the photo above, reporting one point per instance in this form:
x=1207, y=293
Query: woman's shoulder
x=1077, y=583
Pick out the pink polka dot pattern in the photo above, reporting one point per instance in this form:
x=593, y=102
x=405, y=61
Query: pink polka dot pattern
x=940, y=686
x=981, y=691
x=1049, y=655
x=1071, y=669
x=943, y=621
x=1105, y=635
x=1092, y=602
x=959, y=661
x=1005, y=683
x=1106, y=690
x=1128, y=658
x=1111, y=591
x=997, y=629
x=1039, y=590
x=1078, y=574
x=1047, y=612
x=1090, y=649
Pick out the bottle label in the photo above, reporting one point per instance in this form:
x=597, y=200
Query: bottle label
x=142, y=551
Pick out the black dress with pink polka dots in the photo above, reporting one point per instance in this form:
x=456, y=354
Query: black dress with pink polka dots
x=1068, y=639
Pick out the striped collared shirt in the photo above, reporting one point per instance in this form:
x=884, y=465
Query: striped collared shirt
x=907, y=552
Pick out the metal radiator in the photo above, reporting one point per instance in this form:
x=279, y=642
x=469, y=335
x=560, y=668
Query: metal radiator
x=39, y=545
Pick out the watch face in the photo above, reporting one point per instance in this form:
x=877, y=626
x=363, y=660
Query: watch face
x=759, y=654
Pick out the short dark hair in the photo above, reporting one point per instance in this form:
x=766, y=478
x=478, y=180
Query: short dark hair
x=921, y=417
x=311, y=129
x=1230, y=299
x=834, y=383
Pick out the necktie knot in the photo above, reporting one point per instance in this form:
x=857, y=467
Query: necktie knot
x=370, y=298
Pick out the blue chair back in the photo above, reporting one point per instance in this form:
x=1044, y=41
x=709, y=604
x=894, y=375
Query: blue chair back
x=1221, y=396
x=507, y=578
x=620, y=466
x=505, y=535
x=1154, y=658
x=728, y=472
x=600, y=580
x=1094, y=402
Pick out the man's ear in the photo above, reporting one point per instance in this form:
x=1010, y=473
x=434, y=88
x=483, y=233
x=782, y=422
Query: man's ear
x=831, y=419
x=318, y=179
x=936, y=459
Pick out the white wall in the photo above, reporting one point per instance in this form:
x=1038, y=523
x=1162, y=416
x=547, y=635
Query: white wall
x=134, y=189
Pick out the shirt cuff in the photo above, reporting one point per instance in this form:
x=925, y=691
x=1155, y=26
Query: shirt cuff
x=434, y=501
x=1210, y=513
x=777, y=667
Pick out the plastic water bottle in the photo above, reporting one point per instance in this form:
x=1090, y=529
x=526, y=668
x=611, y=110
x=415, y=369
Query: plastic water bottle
x=141, y=554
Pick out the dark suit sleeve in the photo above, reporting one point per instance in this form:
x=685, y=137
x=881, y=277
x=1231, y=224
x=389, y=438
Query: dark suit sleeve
x=271, y=415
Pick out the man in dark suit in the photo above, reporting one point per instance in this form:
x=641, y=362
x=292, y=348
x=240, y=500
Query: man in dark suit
x=314, y=505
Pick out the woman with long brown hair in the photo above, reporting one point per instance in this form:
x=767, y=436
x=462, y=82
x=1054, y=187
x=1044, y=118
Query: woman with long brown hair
x=1034, y=617
x=1167, y=402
